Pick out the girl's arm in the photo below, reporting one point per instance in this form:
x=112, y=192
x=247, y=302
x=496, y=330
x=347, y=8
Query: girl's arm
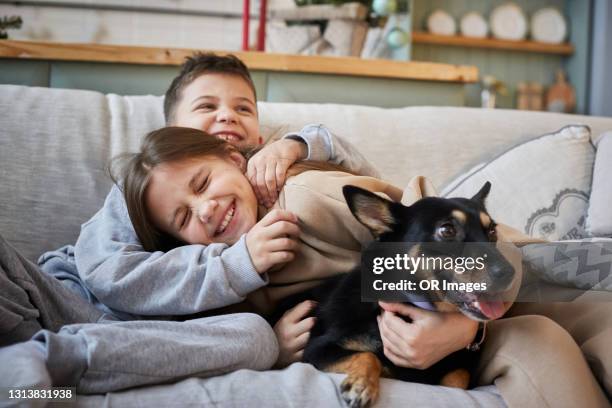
x=189, y=279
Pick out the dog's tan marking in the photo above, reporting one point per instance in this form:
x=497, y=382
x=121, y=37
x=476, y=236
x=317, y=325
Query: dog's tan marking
x=459, y=216
x=459, y=378
x=362, y=362
x=362, y=385
x=375, y=214
x=361, y=343
x=485, y=220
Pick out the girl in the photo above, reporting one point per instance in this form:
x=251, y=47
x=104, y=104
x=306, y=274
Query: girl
x=193, y=191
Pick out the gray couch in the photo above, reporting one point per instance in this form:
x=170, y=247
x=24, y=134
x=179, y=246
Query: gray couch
x=55, y=146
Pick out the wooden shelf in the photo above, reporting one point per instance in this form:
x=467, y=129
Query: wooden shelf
x=379, y=68
x=492, y=43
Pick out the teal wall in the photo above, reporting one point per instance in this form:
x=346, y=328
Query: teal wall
x=578, y=65
x=134, y=79
x=511, y=66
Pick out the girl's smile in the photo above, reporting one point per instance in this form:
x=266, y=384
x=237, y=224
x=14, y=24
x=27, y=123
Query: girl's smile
x=202, y=200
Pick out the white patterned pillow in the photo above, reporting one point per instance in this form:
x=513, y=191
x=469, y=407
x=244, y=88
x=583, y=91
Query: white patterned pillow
x=584, y=264
x=540, y=187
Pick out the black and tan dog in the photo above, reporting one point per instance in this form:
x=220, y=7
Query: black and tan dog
x=346, y=338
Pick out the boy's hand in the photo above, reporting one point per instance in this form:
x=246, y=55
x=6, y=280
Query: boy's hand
x=267, y=169
x=424, y=341
x=292, y=332
x=273, y=240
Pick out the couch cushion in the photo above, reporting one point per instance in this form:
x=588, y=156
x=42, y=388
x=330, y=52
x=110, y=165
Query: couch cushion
x=540, y=187
x=56, y=156
x=599, y=216
x=584, y=264
x=56, y=146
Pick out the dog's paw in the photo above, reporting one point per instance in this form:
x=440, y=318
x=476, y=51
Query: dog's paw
x=359, y=391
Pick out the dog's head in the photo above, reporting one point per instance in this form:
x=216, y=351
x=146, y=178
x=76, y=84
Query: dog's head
x=454, y=222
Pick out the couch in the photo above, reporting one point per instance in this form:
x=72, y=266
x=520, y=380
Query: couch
x=55, y=146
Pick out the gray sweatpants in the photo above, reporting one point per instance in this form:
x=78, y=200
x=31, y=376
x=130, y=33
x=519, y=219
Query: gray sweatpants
x=96, y=353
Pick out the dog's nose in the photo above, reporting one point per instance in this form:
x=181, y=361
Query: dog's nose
x=501, y=275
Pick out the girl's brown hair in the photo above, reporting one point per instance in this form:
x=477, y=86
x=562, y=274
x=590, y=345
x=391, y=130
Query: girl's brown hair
x=167, y=145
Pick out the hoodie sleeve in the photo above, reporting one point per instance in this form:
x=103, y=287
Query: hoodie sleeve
x=325, y=146
x=189, y=279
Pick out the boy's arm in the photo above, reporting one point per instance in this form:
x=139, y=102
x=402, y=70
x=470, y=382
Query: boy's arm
x=185, y=280
x=325, y=146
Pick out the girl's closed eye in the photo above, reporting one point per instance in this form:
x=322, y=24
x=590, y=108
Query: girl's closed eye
x=186, y=215
x=244, y=108
x=202, y=185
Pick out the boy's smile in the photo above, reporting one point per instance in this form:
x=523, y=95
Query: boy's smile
x=222, y=105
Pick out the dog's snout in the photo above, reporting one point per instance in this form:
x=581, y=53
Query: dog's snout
x=501, y=274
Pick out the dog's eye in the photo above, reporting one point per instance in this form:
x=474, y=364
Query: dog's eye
x=447, y=230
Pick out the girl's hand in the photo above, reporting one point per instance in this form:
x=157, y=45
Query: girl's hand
x=273, y=240
x=267, y=169
x=423, y=342
x=292, y=332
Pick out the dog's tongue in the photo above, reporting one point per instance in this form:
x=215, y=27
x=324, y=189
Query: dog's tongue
x=493, y=309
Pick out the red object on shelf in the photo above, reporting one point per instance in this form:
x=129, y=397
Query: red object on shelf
x=261, y=30
x=246, y=11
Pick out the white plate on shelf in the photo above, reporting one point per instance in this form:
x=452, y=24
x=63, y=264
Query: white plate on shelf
x=441, y=23
x=473, y=24
x=508, y=22
x=548, y=25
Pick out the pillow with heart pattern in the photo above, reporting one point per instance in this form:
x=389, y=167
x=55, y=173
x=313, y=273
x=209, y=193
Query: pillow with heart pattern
x=540, y=187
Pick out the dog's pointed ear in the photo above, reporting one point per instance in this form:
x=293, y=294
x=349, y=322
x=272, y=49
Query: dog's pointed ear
x=370, y=209
x=482, y=194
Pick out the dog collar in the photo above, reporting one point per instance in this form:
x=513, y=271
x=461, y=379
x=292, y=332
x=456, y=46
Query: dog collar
x=479, y=338
x=419, y=301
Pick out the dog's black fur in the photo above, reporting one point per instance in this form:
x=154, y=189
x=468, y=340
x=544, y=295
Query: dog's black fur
x=346, y=338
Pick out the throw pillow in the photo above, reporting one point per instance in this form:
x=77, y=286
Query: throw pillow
x=599, y=216
x=583, y=264
x=540, y=187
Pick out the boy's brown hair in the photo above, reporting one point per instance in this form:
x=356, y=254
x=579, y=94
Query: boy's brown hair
x=199, y=64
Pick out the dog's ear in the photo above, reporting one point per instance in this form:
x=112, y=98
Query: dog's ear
x=370, y=209
x=482, y=194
